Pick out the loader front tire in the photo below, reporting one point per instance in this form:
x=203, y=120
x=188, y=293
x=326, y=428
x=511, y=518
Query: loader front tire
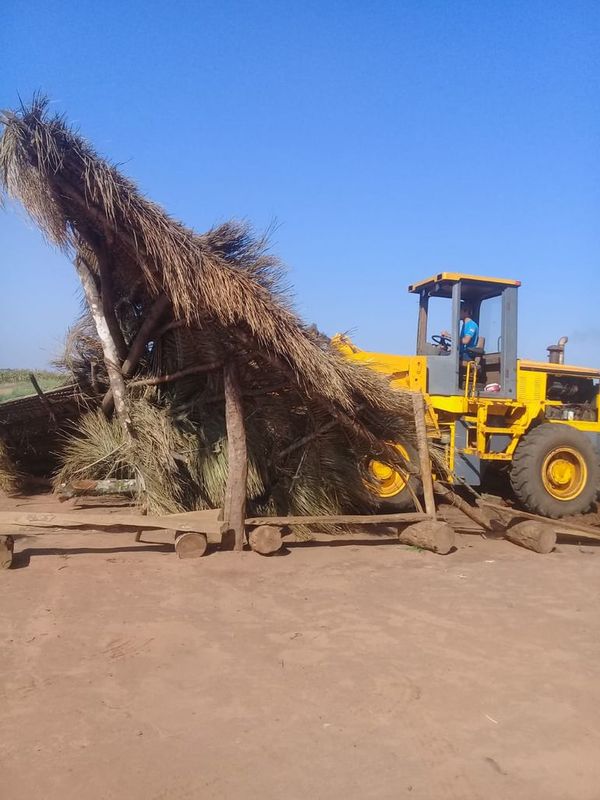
x=555, y=471
x=394, y=490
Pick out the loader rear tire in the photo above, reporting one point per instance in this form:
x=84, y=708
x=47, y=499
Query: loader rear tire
x=555, y=471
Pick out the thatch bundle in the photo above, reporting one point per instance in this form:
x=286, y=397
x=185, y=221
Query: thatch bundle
x=176, y=306
x=10, y=479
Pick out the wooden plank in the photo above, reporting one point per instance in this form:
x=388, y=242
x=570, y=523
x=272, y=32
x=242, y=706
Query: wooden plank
x=206, y=521
x=198, y=522
x=343, y=519
x=560, y=526
x=423, y=450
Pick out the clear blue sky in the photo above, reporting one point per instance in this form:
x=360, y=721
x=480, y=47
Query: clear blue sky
x=390, y=140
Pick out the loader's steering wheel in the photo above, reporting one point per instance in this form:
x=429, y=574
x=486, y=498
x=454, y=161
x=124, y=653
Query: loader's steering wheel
x=443, y=341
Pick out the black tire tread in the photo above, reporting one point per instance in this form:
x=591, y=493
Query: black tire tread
x=525, y=476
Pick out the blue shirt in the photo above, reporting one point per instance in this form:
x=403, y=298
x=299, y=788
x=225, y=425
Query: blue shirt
x=470, y=328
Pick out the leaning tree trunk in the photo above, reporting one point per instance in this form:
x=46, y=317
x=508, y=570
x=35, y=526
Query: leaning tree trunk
x=109, y=348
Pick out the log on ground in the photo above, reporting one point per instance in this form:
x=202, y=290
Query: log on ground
x=439, y=537
x=266, y=539
x=537, y=536
x=7, y=544
x=190, y=545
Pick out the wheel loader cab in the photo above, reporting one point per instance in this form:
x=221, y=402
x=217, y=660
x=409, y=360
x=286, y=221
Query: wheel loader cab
x=493, y=357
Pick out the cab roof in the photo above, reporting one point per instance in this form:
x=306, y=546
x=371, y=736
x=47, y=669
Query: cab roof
x=442, y=283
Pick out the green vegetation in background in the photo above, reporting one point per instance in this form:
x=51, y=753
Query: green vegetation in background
x=15, y=383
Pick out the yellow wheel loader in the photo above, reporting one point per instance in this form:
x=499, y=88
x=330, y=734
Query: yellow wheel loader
x=489, y=410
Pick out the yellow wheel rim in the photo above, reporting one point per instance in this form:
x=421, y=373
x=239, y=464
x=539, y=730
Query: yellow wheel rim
x=564, y=473
x=388, y=482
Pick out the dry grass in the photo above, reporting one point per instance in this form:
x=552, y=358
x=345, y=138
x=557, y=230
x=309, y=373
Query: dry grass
x=10, y=479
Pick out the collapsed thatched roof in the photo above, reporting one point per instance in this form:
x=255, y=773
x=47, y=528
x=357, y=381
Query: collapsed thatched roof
x=221, y=294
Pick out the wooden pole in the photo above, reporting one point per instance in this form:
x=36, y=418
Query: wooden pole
x=235, y=493
x=423, y=448
x=109, y=349
x=42, y=396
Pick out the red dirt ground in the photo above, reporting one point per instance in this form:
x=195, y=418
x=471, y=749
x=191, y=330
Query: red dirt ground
x=359, y=672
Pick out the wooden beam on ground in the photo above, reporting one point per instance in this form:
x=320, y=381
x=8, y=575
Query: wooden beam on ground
x=423, y=449
x=195, y=521
x=237, y=476
x=559, y=525
x=343, y=519
x=106, y=486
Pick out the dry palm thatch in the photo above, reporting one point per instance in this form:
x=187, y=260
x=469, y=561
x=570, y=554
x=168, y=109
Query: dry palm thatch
x=10, y=479
x=177, y=305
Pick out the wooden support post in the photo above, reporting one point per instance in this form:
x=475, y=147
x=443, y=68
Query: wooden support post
x=430, y=535
x=235, y=493
x=423, y=448
x=109, y=349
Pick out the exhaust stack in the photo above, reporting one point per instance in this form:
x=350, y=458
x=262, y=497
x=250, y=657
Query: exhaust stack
x=556, y=352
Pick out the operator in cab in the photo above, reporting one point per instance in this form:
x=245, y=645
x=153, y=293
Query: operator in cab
x=468, y=334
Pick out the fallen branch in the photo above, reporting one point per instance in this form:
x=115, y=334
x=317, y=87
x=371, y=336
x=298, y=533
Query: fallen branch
x=174, y=376
x=42, y=396
x=560, y=526
x=450, y=497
